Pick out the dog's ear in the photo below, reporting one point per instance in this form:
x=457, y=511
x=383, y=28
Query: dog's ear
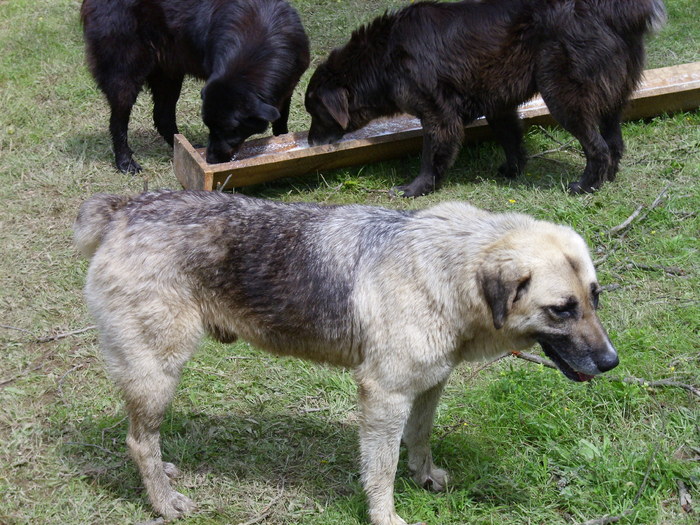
x=336, y=102
x=502, y=287
x=267, y=112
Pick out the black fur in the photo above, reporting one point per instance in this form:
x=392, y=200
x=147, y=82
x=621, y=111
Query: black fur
x=252, y=53
x=449, y=63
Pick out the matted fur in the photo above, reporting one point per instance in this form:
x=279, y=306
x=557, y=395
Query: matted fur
x=399, y=297
x=450, y=63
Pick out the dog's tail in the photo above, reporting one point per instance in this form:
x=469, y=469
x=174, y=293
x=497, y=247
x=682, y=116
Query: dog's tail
x=93, y=217
x=658, y=16
x=634, y=16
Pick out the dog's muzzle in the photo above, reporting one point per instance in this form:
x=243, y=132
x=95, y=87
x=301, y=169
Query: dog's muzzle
x=579, y=366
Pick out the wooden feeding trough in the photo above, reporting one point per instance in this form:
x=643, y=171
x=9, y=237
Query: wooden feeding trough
x=663, y=90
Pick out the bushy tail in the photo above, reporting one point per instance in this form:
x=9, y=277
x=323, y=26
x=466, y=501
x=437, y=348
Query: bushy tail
x=658, y=17
x=93, y=217
x=636, y=15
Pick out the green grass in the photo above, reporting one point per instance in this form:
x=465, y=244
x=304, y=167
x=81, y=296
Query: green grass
x=259, y=434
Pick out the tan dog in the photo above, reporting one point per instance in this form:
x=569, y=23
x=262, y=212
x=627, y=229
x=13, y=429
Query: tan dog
x=399, y=297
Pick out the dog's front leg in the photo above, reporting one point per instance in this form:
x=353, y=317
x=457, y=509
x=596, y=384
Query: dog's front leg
x=441, y=143
x=384, y=416
x=416, y=436
x=279, y=126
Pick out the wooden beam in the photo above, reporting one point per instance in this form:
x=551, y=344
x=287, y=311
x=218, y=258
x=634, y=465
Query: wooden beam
x=663, y=90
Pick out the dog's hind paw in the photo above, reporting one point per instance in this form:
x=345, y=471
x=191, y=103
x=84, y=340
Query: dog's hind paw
x=509, y=171
x=129, y=166
x=175, y=505
x=170, y=470
x=435, y=481
x=577, y=188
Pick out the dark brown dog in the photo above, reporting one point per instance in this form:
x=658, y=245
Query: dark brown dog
x=252, y=53
x=449, y=63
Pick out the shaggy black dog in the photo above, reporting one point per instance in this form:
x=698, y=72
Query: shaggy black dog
x=251, y=52
x=449, y=63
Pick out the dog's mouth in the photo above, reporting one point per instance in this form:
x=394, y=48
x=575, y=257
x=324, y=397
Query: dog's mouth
x=562, y=365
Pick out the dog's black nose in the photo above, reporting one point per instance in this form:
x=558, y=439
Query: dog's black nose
x=607, y=361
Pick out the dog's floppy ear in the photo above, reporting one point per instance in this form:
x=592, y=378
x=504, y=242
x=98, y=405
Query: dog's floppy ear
x=502, y=287
x=336, y=102
x=267, y=112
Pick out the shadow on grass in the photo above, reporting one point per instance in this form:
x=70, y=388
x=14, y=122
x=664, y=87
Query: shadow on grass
x=311, y=452
x=475, y=164
x=146, y=144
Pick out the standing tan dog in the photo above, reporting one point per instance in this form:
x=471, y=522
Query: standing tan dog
x=399, y=297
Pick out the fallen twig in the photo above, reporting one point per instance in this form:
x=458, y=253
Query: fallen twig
x=653, y=384
x=621, y=229
x=629, y=220
x=635, y=214
x=220, y=187
x=562, y=147
x=48, y=338
x=607, y=519
x=482, y=366
x=563, y=144
x=56, y=337
x=670, y=270
x=629, y=379
x=8, y=327
x=535, y=359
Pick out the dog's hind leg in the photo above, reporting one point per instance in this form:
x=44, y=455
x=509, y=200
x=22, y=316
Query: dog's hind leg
x=507, y=129
x=147, y=370
x=441, y=143
x=279, y=126
x=578, y=121
x=611, y=129
x=121, y=81
x=416, y=436
x=384, y=415
x=166, y=92
x=121, y=101
x=147, y=398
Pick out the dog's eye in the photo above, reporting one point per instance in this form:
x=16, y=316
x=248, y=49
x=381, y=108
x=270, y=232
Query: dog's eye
x=595, y=295
x=565, y=311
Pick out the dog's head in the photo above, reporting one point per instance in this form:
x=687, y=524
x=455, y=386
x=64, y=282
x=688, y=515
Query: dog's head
x=541, y=287
x=232, y=113
x=327, y=101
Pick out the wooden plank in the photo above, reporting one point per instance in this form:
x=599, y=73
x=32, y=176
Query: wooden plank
x=663, y=90
x=189, y=165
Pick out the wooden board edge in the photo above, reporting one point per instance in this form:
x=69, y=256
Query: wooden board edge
x=188, y=165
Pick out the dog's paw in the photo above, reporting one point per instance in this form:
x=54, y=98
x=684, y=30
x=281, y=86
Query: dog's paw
x=509, y=171
x=174, y=505
x=577, y=188
x=411, y=190
x=434, y=481
x=171, y=470
x=129, y=165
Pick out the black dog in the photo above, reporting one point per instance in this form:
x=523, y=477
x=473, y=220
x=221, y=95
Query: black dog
x=449, y=63
x=252, y=53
